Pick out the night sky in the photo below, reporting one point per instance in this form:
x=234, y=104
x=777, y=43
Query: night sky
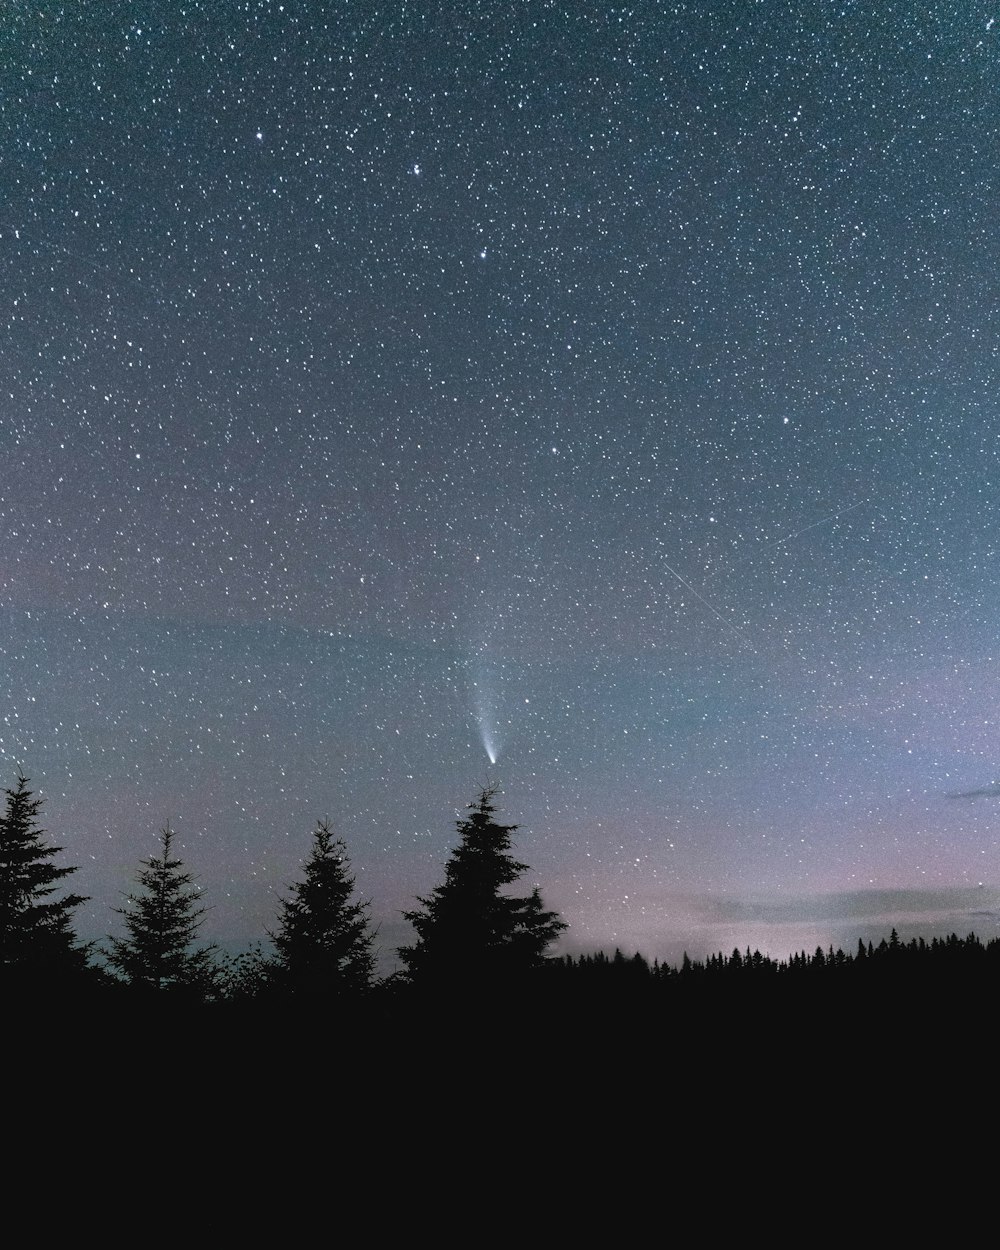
x=609, y=392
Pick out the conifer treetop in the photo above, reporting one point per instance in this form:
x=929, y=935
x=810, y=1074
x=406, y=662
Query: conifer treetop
x=35, y=932
x=323, y=940
x=469, y=927
x=161, y=924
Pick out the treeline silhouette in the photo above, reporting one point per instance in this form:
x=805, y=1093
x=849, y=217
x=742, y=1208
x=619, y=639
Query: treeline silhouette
x=871, y=973
x=480, y=954
x=891, y=957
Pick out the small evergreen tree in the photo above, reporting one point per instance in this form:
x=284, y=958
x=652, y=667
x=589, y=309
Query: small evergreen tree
x=161, y=926
x=323, y=941
x=468, y=930
x=36, y=941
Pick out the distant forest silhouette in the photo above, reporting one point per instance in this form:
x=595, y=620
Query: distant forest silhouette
x=479, y=947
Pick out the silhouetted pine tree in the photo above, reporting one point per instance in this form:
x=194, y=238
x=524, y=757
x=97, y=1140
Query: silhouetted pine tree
x=161, y=925
x=468, y=930
x=36, y=941
x=323, y=940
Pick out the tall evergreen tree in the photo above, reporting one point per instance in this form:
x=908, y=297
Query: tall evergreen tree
x=161, y=926
x=323, y=941
x=469, y=930
x=36, y=941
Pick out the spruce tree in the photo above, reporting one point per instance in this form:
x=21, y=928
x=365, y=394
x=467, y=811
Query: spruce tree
x=323, y=941
x=468, y=930
x=36, y=941
x=161, y=925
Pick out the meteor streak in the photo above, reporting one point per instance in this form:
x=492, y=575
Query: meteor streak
x=822, y=521
x=715, y=611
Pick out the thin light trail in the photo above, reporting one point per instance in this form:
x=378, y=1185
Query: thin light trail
x=787, y=538
x=812, y=525
x=715, y=611
x=17, y=231
x=117, y=278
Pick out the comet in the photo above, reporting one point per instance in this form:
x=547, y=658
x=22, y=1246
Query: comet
x=488, y=747
x=485, y=702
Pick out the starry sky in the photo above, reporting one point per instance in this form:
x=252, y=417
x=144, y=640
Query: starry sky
x=602, y=397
